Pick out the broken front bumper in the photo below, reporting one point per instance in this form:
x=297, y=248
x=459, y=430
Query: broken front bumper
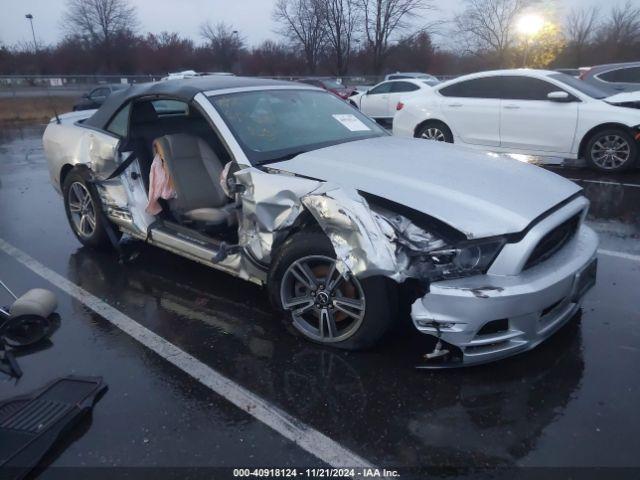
x=489, y=317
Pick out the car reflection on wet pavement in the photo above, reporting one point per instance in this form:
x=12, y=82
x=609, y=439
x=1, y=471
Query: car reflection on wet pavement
x=571, y=402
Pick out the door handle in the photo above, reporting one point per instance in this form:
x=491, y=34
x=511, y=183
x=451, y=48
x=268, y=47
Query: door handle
x=454, y=105
x=511, y=107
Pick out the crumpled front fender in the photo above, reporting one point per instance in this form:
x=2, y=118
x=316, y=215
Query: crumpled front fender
x=361, y=246
x=272, y=202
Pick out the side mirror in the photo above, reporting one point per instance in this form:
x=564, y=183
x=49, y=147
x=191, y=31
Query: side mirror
x=559, y=96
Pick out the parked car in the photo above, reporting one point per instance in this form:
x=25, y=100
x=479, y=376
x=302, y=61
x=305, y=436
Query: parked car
x=190, y=74
x=532, y=112
x=287, y=186
x=96, y=97
x=330, y=85
x=430, y=79
x=381, y=101
x=616, y=77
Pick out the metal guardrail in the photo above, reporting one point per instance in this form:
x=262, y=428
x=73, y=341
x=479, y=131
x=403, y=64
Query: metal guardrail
x=65, y=80
x=75, y=85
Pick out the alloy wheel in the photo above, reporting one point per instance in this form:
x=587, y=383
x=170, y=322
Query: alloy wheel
x=325, y=306
x=610, y=152
x=82, y=210
x=433, y=133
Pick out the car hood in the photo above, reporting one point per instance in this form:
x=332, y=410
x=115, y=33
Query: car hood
x=624, y=97
x=480, y=194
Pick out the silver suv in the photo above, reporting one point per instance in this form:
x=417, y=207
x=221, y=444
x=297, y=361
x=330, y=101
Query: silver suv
x=622, y=77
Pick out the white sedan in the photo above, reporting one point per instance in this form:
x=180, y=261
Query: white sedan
x=380, y=102
x=531, y=112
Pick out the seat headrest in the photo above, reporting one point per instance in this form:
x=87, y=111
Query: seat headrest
x=182, y=145
x=143, y=112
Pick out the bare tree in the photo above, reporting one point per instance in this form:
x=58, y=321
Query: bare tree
x=225, y=42
x=488, y=26
x=621, y=31
x=341, y=18
x=99, y=21
x=384, y=18
x=302, y=22
x=580, y=30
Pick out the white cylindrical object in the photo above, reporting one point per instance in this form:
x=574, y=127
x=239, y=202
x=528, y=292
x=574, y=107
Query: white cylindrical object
x=35, y=302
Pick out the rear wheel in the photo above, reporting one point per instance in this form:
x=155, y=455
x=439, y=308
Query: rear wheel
x=322, y=305
x=435, y=131
x=611, y=150
x=84, y=210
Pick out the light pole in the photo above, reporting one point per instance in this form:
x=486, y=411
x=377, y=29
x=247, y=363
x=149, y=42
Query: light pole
x=529, y=26
x=29, y=17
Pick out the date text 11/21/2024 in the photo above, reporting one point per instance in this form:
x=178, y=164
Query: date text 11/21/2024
x=315, y=473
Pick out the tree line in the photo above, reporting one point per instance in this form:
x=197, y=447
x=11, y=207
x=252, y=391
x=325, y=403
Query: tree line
x=337, y=37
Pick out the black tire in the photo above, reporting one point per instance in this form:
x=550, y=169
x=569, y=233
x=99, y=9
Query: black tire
x=425, y=131
x=354, y=104
x=625, y=146
x=380, y=298
x=97, y=237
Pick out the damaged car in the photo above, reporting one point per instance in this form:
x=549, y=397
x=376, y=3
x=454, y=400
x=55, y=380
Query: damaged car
x=285, y=185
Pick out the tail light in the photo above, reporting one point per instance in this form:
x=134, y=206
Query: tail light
x=399, y=106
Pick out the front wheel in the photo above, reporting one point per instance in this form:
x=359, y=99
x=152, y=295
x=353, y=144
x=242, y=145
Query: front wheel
x=84, y=211
x=322, y=305
x=611, y=150
x=435, y=131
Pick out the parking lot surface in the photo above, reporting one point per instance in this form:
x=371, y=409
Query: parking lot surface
x=572, y=402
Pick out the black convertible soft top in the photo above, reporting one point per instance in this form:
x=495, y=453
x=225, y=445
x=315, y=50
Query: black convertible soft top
x=180, y=89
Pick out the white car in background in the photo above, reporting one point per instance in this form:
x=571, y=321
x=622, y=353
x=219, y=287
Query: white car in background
x=430, y=79
x=533, y=112
x=380, y=102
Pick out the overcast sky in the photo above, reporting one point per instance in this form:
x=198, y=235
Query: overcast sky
x=251, y=17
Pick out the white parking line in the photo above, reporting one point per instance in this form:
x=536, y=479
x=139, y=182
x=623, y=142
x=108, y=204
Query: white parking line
x=306, y=437
x=604, y=182
x=613, y=253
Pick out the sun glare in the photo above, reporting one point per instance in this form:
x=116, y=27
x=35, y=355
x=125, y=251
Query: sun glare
x=530, y=24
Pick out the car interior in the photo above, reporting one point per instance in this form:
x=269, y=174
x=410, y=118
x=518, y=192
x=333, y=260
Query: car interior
x=195, y=158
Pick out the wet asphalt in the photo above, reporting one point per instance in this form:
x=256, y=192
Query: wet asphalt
x=572, y=402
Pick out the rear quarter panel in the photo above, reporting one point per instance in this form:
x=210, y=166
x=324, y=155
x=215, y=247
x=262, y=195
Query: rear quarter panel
x=417, y=109
x=64, y=144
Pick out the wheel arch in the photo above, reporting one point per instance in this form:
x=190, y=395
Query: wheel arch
x=64, y=171
x=603, y=126
x=67, y=168
x=305, y=221
x=430, y=120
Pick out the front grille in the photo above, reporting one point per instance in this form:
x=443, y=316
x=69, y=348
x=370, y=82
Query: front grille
x=553, y=241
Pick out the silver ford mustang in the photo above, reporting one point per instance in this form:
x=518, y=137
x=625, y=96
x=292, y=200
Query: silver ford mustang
x=287, y=186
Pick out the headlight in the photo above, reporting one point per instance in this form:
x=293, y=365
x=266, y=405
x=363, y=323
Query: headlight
x=465, y=259
x=424, y=255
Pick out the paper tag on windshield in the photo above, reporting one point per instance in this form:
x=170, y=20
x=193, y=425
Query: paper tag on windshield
x=351, y=122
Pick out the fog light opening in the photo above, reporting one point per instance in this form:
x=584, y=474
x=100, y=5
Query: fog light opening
x=494, y=326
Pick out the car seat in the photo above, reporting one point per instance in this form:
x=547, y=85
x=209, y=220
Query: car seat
x=195, y=169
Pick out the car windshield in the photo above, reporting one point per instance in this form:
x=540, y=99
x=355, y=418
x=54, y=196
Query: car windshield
x=272, y=125
x=582, y=86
